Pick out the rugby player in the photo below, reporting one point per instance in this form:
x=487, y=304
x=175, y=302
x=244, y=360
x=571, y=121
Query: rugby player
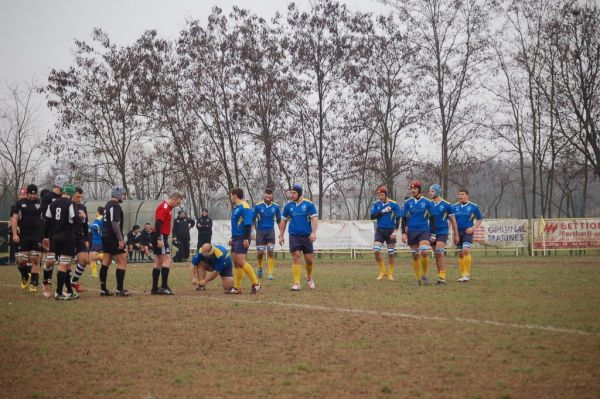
x=387, y=214
x=465, y=211
x=264, y=216
x=442, y=213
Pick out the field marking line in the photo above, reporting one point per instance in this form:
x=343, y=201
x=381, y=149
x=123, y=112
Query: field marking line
x=408, y=316
x=377, y=313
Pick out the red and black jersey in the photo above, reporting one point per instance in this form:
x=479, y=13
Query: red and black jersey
x=163, y=217
x=60, y=220
x=29, y=218
x=112, y=213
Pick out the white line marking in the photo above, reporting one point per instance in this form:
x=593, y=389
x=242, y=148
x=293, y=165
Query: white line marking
x=376, y=313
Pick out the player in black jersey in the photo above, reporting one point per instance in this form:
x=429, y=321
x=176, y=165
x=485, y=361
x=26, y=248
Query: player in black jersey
x=26, y=223
x=113, y=242
x=47, y=197
x=82, y=238
x=60, y=223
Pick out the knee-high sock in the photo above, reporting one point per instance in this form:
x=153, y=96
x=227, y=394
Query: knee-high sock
x=60, y=281
x=442, y=274
x=270, y=265
x=309, y=270
x=23, y=271
x=424, y=265
x=391, y=269
x=238, y=274
x=260, y=262
x=120, y=275
x=249, y=270
x=381, y=264
x=78, y=272
x=467, y=264
x=416, y=268
x=103, y=276
x=296, y=271
x=155, y=276
x=94, y=268
x=461, y=266
x=164, y=272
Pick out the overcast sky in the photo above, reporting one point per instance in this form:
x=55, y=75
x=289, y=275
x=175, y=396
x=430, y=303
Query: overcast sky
x=37, y=35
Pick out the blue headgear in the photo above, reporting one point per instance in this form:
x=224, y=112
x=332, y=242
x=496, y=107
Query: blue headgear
x=297, y=188
x=437, y=188
x=117, y=192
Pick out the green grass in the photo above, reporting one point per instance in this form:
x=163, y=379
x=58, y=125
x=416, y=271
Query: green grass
x=522, y=327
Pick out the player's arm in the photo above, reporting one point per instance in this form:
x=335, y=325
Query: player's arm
x=278, y=215
x=247, y=227
x=282, y=226
x=314, y=222
x=375, y=213
x=14, y=224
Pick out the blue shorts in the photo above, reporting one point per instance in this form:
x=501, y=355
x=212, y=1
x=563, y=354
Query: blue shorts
x=301, y=243
x=264, y=237
x=441, y=238
x=463, y=238
x=237, y=245
x=415, y=237
x=383, y=235
x=227, y=269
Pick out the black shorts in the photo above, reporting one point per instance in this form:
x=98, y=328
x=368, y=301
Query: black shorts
x=237, y=245
x=64, y=248
x=441, y=238
x=301, y=243
x=465, y=240
x=111, y=246
x=165, y=250
x=383, y=235
x=80, y=247
x=264, y=237
x=414, y=238
x=29, y=244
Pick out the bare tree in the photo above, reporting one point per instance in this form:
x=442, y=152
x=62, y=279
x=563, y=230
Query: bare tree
x=20, y=139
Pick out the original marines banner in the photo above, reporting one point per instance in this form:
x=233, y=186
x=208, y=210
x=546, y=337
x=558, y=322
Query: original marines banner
x=566, y=233
x=503, y=233
x=359, y=234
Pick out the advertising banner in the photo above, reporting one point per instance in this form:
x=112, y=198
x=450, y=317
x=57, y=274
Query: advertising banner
x=503, y=233
x=566, y=233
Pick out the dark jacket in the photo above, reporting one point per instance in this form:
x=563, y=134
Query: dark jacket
x=181, y=228
x=204, y=226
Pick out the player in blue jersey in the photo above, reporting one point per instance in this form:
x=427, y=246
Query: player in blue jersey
x=265, y=215
x=210, y=261
x=387, y=214
x=241, y=230
x=96, y=253
x=465, y=212
x=303, y=220
x=417, y=224
x=442, y=214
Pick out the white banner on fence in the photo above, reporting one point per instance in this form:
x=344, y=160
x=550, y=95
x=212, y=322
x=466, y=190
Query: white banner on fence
x=503, y=233
x=359, y=234
x=566, y=233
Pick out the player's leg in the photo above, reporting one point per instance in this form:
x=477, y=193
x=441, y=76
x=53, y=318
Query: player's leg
x=249, y=271
x=270, y=259
x=94, y=258
x=425, y=252
x=227, y=276
x=156, y=270
x=239, y=260
x=165, y=266
x=377, y=245
x=61, y=277
x=296, y=268
x=391, y=251
x=49, y=260
x=121, y=260
x=22, y=260
x=111, y=249
x=440, y=260
x=309, y=260
x=260, y=255
x=34, y=258
x=82, y=261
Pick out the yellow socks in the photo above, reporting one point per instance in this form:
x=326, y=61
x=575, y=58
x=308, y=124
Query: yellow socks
x=381, y=264
x=416, y=264
x=461, y=266
x=270, y=265
x=94, y=268
x=391, y=270
x=442, y=274
x=424, y=265
x=238, y=274
x=296, y=271
x=249, y=270
x=309, y=270
x=260, y=263
x=467, y=264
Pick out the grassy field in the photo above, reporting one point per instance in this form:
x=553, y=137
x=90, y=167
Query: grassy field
x=523, y=327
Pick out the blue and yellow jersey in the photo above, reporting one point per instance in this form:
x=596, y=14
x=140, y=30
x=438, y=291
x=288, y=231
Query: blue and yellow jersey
x=217, y=261
x=417, y=213
x=96, y=229
x=465, y=214
x=440, y=214
x=265, y=215
x=299, y=216
x=241, y=216
x=387, y=214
